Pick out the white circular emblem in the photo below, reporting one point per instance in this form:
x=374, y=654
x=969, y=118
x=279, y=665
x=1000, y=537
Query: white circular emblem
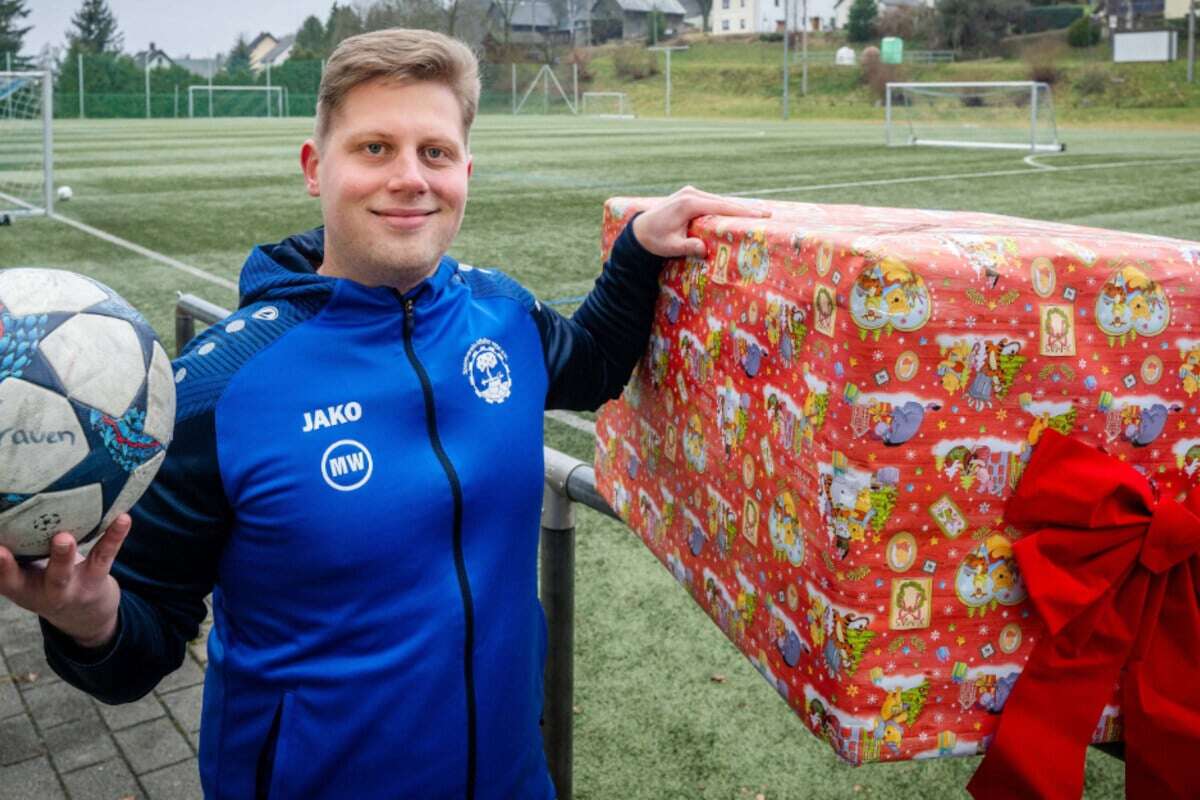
x=486, y=367
x=346, y=465
x=266, y=313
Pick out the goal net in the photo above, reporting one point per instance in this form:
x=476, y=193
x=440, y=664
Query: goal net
x=235, y=101
x=546, y=93
x=606, y=104
x=1015, y=115
x=26, y=144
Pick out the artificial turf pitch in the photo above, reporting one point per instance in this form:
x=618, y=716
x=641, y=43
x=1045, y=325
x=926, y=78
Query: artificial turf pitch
x=666, y=707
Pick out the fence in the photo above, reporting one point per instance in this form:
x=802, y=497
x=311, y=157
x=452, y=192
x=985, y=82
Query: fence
x=114, y=87
x=568, y=481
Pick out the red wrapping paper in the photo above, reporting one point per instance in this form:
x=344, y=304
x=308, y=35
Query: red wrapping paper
x=835, y=408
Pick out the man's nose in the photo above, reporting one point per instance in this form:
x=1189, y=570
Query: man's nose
x=407, y=174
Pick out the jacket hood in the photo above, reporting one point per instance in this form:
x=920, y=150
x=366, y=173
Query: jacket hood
x=285, y=270
x=288, y=270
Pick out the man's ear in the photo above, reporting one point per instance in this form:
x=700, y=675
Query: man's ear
x=470, y=165
x=310, y=157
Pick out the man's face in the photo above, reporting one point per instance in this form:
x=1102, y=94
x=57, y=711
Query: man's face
x=392, y=178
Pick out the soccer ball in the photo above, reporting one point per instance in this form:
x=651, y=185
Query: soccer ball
x=64, y=193
x=87, y=407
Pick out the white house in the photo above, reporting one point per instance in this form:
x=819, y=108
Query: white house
x=158, y=59
x=1176, y=9
x=767, y=16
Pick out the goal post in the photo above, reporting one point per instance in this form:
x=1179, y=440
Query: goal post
x=237, y=101
x=606, y=104
x=26, y=144
x=1011, y=115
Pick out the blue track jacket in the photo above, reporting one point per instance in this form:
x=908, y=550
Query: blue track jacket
x=356, y=477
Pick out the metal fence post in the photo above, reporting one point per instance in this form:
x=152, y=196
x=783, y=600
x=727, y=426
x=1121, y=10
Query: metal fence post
x=558, y=600
x=185, y=329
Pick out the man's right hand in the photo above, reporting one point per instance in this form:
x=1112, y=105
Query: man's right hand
x=75, y=594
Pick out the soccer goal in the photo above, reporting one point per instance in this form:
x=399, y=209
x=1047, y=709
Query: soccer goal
x=1014, y=115
x=606, y=104
x=235, y=101
x=26, y=144
x=554, y=96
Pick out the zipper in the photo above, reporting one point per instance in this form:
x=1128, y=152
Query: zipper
x=460, y=564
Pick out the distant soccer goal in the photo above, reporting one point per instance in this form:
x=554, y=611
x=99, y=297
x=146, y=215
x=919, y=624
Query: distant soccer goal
x=26, y=144
x=1014, y=115
x=606, y=104
x=235, y=101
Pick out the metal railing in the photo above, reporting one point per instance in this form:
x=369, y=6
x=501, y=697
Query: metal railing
x=568, y=481
x=929, y=56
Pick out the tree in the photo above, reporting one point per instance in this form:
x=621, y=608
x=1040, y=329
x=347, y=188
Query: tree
x=343, y=23
x=95, y=29
x=860, y=27
x=977, y=24
x=505, y=9
x=10, y=35
x=310, y=43
x=705, y=13
x=238, y=59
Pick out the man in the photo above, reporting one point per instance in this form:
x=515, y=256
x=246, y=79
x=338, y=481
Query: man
x=356, y=473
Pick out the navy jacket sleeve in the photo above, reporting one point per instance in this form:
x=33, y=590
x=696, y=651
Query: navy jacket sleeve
x=166, y=568
x=590, y=356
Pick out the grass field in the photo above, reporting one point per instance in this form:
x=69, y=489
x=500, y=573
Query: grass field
x=654, y=720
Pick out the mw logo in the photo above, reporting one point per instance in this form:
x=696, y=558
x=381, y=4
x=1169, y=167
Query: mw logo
x=346, y=465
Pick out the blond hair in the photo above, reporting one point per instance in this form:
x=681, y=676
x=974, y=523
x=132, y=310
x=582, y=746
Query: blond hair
x=401, y=55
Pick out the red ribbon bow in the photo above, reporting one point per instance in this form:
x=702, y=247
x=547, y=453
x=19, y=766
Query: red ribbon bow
x=1115, y=573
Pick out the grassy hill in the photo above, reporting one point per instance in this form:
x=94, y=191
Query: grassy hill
x=744, y=79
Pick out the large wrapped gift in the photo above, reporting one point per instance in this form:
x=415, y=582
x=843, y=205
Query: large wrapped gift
x=835, y=408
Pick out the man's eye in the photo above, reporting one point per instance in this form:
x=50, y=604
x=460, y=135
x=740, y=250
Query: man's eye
x=435, y=153
x=375, y=148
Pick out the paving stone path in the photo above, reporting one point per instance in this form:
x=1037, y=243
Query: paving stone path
x=57, y=742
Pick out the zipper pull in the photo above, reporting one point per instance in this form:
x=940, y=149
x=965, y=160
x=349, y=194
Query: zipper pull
x=408, y=316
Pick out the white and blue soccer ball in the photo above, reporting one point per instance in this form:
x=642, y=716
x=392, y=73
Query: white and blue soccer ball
x=87, y=407
x=64, y=193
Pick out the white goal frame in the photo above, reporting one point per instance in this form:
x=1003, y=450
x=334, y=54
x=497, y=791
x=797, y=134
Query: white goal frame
x=624, y=112
x=1033, y=87
x=204, y=87
x=11, y=206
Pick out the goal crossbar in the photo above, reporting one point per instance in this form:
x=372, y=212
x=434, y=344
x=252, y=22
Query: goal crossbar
x=26, y=132
x=277, y=91
x=1029, y=106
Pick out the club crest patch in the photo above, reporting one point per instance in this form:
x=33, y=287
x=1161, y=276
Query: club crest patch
x=486, y=367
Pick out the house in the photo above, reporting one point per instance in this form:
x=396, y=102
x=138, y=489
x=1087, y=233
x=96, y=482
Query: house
x=629, y=19
x=532, y=22
x=1176, y=9
x=157, y=58
x=259, y=46
x=276, y=55
x=767, y=16
x=200, y=67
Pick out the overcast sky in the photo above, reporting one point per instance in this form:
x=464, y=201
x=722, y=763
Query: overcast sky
x=179, y=27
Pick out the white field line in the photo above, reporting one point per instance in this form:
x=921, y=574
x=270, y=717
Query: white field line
x=573, y=420
x=1031, y=161
x=137, y=248
x=147, y=252
x=999, y=173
